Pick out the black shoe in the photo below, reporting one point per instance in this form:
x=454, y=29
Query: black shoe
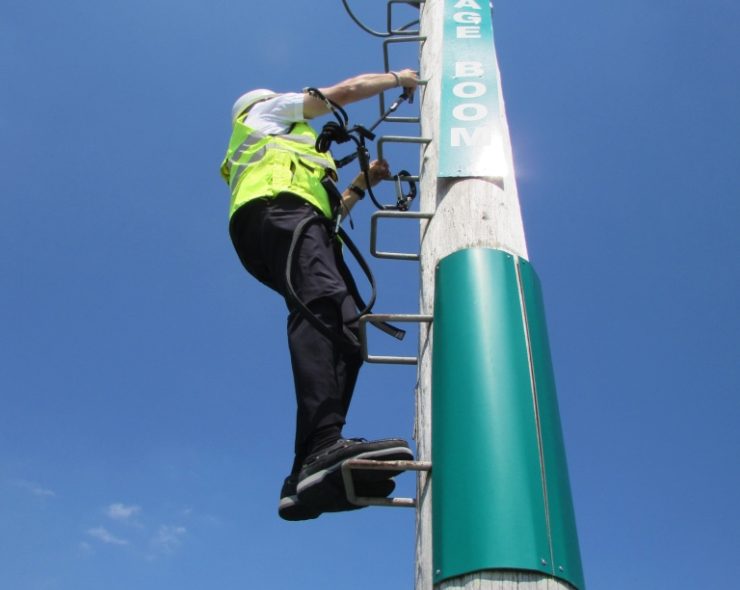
x=320, y=482
x=291, y=508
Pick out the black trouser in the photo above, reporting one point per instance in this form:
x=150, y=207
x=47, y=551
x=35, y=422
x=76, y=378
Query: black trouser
x=324, y=372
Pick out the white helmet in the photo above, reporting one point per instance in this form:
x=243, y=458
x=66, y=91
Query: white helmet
x=248, y=99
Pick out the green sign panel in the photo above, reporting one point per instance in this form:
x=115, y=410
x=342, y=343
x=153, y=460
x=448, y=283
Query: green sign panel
x=471, y=138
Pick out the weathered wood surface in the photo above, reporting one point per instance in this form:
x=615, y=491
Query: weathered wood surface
x=504, y=581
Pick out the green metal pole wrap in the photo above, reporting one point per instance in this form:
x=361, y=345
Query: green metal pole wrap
x=501, y=497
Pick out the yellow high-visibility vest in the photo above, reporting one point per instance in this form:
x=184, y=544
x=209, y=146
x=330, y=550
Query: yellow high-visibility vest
x=260, y=165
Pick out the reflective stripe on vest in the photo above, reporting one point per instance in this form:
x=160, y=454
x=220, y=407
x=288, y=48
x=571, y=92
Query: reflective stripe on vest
x=235, y=167
x=262, y=165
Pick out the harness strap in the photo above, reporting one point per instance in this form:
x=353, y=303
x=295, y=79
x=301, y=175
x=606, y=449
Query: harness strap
x=339, y=132
x=346, y=339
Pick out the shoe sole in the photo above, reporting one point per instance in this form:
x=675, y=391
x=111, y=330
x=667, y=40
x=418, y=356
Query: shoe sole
x=326, y=487
x=292, y=509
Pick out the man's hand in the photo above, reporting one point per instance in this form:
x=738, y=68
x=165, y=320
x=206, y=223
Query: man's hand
x=378, y=171
x=408, y=80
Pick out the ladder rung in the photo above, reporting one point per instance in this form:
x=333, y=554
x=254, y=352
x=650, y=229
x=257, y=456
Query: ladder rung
x=369, y=464
x=388, y=317
x=399, y=139
x=389, y=23
x=393, y=215
x=398, y=39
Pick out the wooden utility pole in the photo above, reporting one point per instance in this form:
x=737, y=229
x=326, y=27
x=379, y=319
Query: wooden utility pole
x=476, y=239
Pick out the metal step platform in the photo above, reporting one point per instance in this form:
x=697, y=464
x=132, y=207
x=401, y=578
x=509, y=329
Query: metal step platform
x=368, y=464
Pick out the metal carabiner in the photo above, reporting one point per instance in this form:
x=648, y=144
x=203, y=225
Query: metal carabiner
x=403, y=201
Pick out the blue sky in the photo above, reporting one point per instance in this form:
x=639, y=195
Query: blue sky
x=146, y=418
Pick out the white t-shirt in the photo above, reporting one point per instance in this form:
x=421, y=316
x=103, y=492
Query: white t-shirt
x=276, y=115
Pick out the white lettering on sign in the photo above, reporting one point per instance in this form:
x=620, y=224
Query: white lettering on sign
x=468, y=4
x=476, y=136
x=471, y=20
x=467, y=18
x=469, y=89
x=468, y=69
x=480, y=136
x=471, y=32
x=470, y=112
x=470, y=115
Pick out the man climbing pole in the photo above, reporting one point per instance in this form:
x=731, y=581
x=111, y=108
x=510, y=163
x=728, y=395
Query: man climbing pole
x=279, y=182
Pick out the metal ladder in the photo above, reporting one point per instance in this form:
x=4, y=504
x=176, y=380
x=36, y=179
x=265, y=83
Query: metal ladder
x=392, y=36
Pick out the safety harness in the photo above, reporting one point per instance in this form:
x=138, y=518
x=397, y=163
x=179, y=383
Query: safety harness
x=339, y=132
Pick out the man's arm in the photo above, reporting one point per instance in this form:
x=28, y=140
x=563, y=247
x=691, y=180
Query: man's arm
x=378, y=171
x=358, y=88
